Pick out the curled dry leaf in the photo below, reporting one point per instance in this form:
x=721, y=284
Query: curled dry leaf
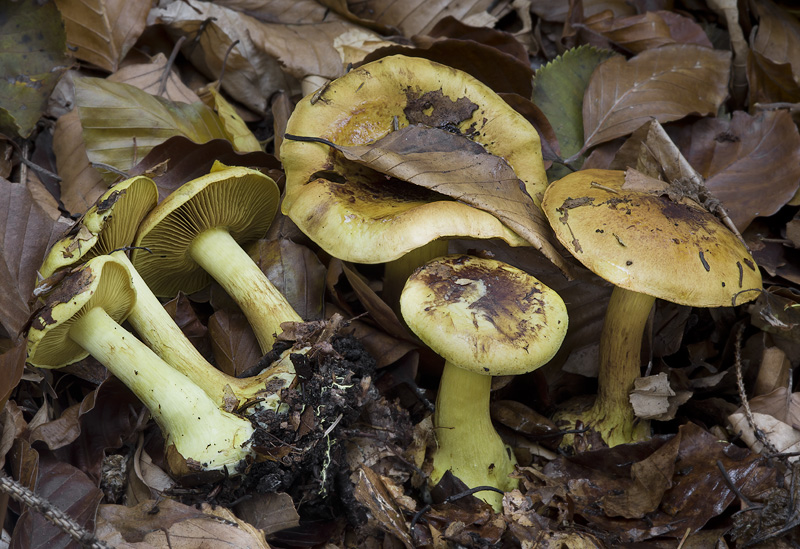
x=102, y=33
x=735, y=155
x=558, y=11
x=81, y=184
x=28, y=230
x=121, y=123
x=649, y=30
x=187, y=160
x=149, y=77
x=691, y=494
x=778, y=36
x=667, y=84
x=417, y=16
x=777, y=416
x=462, y=169
x=68, y=489
x=296, y=272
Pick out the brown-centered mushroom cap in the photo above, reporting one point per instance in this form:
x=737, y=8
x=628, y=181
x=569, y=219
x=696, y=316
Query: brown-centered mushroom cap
x=109, y=225
x=352, y=212
x=483, y=315
x=105, y=283
x=242, y=200
x=649, y=244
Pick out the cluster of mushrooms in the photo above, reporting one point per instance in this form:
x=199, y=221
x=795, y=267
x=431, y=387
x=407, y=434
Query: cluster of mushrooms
x=484, y=317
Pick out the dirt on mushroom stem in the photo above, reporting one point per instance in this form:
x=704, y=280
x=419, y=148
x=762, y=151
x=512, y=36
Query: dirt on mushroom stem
x=303, y=446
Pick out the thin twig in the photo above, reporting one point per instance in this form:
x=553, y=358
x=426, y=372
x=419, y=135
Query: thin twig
x=168, y=67
x=37, y=168
x=731, y=485
x=112, y=169
x=225, y=62
x=49, y=511
x=758, y=433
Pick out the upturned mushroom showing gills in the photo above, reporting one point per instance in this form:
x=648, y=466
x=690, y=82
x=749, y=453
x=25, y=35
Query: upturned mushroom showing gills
x=485, y=318
x=197, y=234
x=649, y=247
x=353, y=212
x=82, y=316
x=109, y=227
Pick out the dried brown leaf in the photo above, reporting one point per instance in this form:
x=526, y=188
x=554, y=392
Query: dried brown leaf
x=778, y=36
x=12, y=425
x=417, y=16
x=178, y=160
x=296, y=272
x=103, y=31
x=12, y=363
x=770, y=82
x=735, y=155
x=697, y=493
x=729, y=10
x=81, y=184
x=666, y=83
x=149, y=77
x=649, y=30
x=289, y=12
x=68, y=489
x=28, y=230
x=374, y=495
x=557, y=11
x=502, y=72
x=457, y=167
x=235, y=347
x=269, y=512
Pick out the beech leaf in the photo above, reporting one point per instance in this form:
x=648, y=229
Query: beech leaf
x=667, y=84
x=103, y=31
x=420, y=17
x=32, y=57
x=734, y=155
x=27, y=231
x=66, y=488
x=652, y=29
x=121, y=123
x=558, y=90
x=81, y=185
x=455, y=166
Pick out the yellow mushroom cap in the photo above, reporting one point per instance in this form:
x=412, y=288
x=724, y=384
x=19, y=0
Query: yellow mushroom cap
x=100, y=282
x=239, y=199
x=353, y=212
x=109, y=225
x=647, y=243
x=484, y=316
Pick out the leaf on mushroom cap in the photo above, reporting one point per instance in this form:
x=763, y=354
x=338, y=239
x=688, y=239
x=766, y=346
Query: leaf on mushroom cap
x=382, y=220
x=484, y=315
x=109, y=225
x=101, y=282
x=240, y=199
x=647, y=243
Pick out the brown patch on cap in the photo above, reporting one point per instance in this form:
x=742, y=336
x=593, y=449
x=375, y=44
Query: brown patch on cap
x=436, y=110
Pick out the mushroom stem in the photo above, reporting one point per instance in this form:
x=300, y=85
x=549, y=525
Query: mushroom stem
x=469, y=445
x=156, y=327
x=620, y=364
x=188, y=418
x=264, y=306
x=398, y=271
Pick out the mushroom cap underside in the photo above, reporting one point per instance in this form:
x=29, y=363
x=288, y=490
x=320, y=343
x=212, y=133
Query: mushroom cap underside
x=483, y=315
x=100, y=282
x=645, y=242
x=109, y=225
x=358, y=109
x=238, y=199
